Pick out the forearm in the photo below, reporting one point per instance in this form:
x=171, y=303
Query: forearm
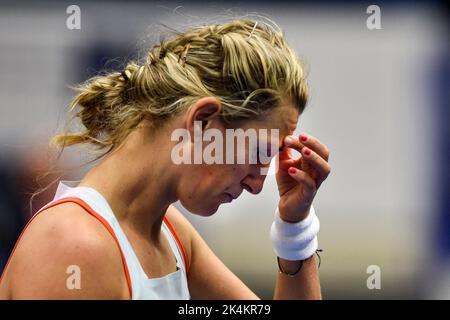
x=303, y=285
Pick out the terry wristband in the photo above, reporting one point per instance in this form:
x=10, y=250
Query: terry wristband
x=295, y=241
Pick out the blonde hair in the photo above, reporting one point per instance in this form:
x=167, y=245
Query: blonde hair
x=244, y=63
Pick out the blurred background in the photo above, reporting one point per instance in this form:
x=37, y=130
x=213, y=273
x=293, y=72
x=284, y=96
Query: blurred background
x=379, y=100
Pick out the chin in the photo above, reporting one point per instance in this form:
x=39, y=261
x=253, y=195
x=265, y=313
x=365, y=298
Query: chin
x=202, y=210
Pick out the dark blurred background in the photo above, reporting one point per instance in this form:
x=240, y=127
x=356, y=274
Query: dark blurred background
x=379, y=100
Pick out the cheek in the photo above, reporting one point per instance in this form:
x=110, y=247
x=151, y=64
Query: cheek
x=232, y=172
x=238, y=171
x=204, y=180
x=218, y=178
x=209, y=181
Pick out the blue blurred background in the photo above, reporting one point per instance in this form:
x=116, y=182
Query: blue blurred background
x=379, y=100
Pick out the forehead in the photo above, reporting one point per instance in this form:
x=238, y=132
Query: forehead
x=287, y=118
x=284, y=118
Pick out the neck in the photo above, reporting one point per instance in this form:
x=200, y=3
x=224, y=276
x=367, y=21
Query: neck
x=137, y=185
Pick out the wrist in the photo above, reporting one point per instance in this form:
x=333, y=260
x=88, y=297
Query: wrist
x=290, y=267
x=288, y=229
x=295, y=218
x=295, y=241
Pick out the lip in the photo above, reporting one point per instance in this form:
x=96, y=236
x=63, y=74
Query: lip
x=229, y=196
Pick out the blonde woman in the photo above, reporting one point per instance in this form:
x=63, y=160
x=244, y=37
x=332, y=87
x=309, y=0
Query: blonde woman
x=117, y=228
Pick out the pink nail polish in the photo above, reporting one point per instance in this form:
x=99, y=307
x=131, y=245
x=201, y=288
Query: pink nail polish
x=307, y=151
x=292, y=170
x=303, y=137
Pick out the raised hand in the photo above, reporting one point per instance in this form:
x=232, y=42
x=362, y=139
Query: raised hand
x=299, y=179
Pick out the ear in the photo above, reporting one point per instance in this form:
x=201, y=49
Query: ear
x=204, y=110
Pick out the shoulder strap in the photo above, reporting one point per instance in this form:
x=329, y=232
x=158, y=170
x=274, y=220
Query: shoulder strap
x=179, y=245
x=92, y=212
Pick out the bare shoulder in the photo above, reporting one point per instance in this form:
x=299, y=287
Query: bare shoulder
x=61, y=241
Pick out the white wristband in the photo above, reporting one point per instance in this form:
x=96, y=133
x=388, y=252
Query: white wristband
x=295, y=241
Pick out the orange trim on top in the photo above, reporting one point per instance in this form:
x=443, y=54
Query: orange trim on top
x=174, y=233
x=85, y=206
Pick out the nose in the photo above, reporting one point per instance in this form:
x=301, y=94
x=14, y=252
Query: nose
x=253, y=183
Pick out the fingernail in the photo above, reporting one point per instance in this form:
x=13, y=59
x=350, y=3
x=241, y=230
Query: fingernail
x=303, y=137
x=290, y=140
x=292, y=170
x=307, y=151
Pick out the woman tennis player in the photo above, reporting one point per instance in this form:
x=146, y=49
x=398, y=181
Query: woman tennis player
x=117, y=230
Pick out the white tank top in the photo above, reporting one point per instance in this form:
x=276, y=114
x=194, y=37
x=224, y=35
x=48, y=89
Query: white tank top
x=172, y=286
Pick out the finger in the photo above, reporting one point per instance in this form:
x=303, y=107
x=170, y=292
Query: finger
x=285, y=160
x=285, y=153
x=314, y=144
x=293, y=142
x=309, y=185
x=321, y=167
